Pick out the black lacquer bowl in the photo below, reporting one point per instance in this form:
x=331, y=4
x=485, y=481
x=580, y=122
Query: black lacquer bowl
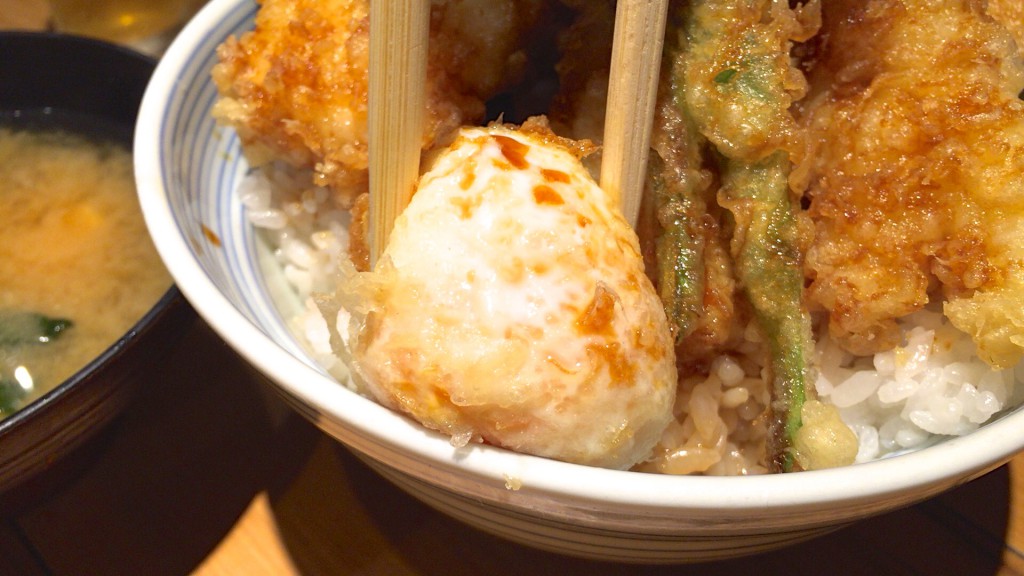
x=90, y=87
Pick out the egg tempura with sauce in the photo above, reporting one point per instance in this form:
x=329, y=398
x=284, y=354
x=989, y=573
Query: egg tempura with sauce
x=511, y=307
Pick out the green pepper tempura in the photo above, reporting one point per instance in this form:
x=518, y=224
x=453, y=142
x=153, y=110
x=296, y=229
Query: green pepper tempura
x=738, y=84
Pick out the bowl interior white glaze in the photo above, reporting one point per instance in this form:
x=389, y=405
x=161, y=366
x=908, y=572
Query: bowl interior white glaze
x=187, y=169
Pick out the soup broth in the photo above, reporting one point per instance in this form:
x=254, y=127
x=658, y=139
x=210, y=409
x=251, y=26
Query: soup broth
x=77, y=267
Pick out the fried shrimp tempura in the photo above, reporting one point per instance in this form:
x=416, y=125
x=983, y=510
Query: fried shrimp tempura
x=295, y=88
x=917, y=151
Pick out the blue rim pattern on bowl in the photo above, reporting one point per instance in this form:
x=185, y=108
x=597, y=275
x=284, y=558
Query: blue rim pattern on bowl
x=220, y=164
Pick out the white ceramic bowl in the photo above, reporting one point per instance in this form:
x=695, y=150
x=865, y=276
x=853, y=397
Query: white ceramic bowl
x=187, y=170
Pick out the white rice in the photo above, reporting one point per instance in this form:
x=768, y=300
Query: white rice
x=308, y=236
x=895, y=401
x=903, y=399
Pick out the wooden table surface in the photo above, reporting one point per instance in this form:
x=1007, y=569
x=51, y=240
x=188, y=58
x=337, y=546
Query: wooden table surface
x=209, y=473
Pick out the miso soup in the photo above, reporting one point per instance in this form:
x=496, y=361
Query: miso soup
x=77, y=267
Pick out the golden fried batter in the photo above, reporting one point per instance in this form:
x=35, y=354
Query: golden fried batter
x=740, y=80
x=915, y=176
x=1009, y=13
x=295, y=88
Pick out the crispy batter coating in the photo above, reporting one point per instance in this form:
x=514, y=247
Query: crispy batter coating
x=295, y=88
x=510, y=307
x=916, y=154
x=1009, y=13
x=740, y=80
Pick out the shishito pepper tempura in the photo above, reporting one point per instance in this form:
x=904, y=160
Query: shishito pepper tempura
x=827, y=266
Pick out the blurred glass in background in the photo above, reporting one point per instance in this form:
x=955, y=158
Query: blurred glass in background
x=147, y=25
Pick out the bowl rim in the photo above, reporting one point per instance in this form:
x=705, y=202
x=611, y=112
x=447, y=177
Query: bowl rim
x=33, y=409
x=77, y=39
x=953, y=460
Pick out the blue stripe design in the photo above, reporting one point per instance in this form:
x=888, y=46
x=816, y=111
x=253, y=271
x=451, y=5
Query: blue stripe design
x=203, y=163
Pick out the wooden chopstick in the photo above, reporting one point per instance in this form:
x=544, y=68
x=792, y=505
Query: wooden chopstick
x=399, y=32
x=632, y=90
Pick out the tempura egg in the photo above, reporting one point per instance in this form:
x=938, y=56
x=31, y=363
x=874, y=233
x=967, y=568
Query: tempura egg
x=511, y=307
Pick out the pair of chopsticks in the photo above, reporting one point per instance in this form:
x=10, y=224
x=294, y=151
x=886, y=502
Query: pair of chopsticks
x=399, y=32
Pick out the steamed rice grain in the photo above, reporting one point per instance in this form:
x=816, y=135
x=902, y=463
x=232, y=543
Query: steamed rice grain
x=933, y=385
